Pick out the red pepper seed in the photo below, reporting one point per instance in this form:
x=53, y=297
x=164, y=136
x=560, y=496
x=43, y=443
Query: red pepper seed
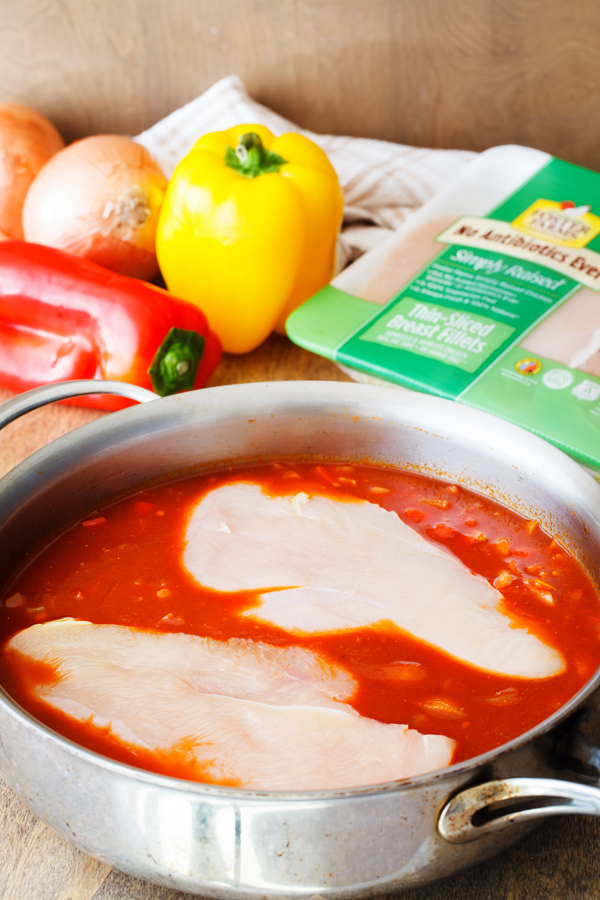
x=92, y=523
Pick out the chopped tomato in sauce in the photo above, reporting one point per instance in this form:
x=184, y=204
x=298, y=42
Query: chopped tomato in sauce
x=122, y=565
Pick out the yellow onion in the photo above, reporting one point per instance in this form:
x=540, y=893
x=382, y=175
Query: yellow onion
x=27, y=140
x=99, y=198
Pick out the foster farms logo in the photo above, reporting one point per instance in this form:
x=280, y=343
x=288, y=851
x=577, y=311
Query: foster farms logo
x=561, y=222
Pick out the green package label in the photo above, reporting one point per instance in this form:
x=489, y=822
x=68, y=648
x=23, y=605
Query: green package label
x=554, y=401
x=439, y=332
x=454, y=318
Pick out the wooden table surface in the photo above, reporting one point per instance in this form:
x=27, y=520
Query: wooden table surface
x=559, y=861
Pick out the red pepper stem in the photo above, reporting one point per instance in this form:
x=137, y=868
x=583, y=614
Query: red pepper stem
x=176, y=362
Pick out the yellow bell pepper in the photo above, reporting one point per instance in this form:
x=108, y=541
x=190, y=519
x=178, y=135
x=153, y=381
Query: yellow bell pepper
x=248, y=230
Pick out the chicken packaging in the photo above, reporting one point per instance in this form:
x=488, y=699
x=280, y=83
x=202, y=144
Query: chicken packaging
x=488, y=295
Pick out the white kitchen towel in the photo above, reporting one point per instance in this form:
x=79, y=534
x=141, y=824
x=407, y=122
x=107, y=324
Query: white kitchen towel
x=382, y=182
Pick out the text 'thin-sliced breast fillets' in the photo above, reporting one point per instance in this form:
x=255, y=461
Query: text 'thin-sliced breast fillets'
x=328, y=565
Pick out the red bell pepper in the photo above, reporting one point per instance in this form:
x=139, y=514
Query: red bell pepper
x=62, y=317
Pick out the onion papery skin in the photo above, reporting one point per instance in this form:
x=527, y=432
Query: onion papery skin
x=27, y=141
x=99, y=198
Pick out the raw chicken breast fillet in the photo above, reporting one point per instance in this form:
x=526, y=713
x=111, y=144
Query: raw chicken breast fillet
x=236, y=712
x=571, y=333
x=336, y=565
x=238, y=668
x=405, y=259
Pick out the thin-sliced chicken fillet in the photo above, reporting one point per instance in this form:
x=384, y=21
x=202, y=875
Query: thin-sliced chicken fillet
x=405, y=257
x=237, y=668
x=571, y=333
x=145, y=688
x=337, y=565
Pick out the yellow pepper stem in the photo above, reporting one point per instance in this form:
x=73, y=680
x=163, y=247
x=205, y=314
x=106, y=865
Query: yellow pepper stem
x=250, y=158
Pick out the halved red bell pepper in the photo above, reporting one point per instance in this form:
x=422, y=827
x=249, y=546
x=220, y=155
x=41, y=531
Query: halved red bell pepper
x=63, y=317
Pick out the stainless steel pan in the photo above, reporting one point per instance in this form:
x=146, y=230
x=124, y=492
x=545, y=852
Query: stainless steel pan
x=231, y=843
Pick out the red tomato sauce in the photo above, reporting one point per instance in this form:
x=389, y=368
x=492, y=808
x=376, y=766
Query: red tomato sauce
x=121, y=564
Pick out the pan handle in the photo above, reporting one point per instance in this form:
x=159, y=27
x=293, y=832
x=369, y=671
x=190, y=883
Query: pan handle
x=64, y=390
x=496, y=805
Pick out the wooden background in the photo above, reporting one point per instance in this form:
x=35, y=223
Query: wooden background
x=443, y=73
x=467, y=74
